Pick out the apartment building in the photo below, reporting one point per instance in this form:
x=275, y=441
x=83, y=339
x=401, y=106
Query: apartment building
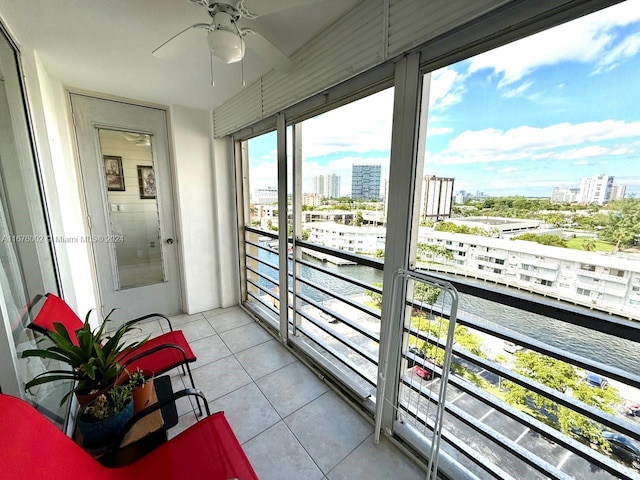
x=365, y=181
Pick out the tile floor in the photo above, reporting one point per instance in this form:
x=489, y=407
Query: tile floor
x=290, y=424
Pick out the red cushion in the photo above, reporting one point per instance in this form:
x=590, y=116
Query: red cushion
x=56, y=310
x=32, y=448
x=207, y=450
x=164, y=359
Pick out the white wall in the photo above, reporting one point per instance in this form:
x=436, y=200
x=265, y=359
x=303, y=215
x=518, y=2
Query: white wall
x=61, y=175
x=224, y=172
x=204, y=198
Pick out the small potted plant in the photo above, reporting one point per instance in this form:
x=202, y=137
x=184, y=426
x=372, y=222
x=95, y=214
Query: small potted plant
x=101, y=420
x=93, y=362
x=141, y=384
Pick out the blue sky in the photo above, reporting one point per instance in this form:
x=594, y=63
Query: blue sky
x=519, y=120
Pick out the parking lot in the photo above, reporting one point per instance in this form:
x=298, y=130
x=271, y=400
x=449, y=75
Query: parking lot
x=487, y=449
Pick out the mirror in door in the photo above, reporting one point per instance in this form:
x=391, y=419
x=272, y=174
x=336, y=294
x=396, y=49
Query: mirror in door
x=132, y=208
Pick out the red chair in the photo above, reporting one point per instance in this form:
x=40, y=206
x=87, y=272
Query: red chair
x=158, y=354
x=32, y=448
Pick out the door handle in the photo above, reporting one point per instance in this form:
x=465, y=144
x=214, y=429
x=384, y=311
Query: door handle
x=170, y=241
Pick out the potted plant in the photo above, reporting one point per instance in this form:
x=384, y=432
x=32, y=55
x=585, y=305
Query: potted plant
x=93, y=362
x=141, y=384
x=101, y=420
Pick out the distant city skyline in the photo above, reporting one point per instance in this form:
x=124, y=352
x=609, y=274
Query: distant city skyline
x=522, y=119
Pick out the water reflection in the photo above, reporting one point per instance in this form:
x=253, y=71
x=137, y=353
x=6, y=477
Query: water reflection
x=614, y=351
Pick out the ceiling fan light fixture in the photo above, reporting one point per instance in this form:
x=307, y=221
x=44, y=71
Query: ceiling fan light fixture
x=227, y=46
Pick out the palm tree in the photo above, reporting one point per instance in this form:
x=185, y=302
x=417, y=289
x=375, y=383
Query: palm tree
x=589, y=244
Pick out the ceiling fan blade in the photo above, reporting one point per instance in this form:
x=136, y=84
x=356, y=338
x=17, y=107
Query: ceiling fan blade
x=267, y=50
x=171, y=47
x=259, y=8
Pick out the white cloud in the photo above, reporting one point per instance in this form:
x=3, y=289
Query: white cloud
x=629, y=47
x=588, y=40
x=508, y=170
x=591, y=151
x=359, y=127
x=447, y=88
x=440, y=131
x=518, y=91
x=532, y=143
x=558, y=135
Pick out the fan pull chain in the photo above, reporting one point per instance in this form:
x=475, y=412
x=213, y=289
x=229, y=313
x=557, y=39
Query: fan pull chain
x=242, y=66
x=240, y=34
x=213, y=84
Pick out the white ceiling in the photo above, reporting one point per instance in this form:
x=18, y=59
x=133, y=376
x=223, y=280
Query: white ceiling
x=105, y=45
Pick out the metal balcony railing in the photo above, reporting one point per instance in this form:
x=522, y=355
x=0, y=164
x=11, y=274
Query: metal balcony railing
x=481, y=431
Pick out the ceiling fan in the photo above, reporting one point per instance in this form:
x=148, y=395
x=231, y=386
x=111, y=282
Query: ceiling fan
x=226, y=40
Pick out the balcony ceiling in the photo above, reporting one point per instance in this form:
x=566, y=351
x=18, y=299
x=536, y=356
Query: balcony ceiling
x=105, y=46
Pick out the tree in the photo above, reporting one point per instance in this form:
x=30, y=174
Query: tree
x=437, y=328
x=357, y=219
x=555, y=219
x=589, y=244
x=435, y=251
x=562, y=377
x=379, y=253
x=376, y=297
x=623, y=224
x=543, y=239
x=425, y=293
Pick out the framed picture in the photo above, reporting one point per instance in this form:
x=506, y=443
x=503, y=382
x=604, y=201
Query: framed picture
x=113, y=172
x=146, y=181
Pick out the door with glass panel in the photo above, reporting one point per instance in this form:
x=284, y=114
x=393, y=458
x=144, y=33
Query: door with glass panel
x=124, y=159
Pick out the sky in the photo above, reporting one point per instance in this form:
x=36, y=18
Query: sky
x=539, y=113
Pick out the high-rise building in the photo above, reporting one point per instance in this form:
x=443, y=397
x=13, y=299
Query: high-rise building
x=437, y=198
x=564, y=195
x=318, y=184
x=327, y=186
x=332, y=184
x=311, y=199
x=365, y=181
x=618, y=192
x=265, y=195
x=596, y=189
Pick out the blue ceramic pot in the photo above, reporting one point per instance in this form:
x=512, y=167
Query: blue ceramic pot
x=99, y=434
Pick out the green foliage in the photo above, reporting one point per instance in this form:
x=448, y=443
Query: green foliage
x=547, y=370
x=357, y=219
x=513, y=206
x=425, y=293
x=623, y=223
x=137, y=379
x=562, y=377
x=543, y=239
x=556, y=219
x=93, y=363
x=379, y=253
x=464, y=229
x=271, y=226
x=437, y=328
x=105, y=406
x=435, y=251
x=588, y=244
x=305, y=234
x=375, y=296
